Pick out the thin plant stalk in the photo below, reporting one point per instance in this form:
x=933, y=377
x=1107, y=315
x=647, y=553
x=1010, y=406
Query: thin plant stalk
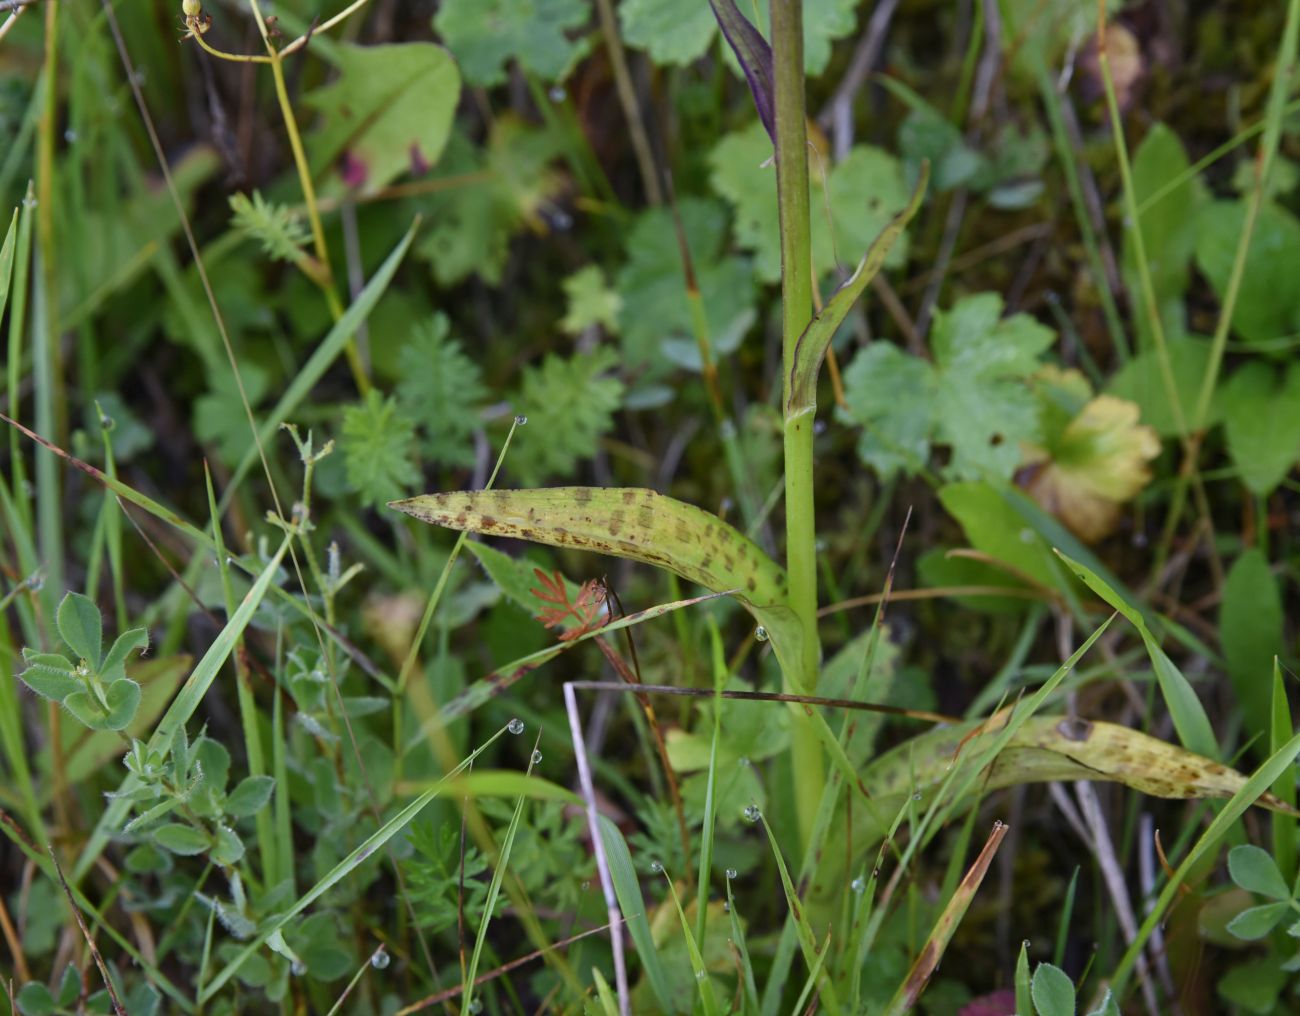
x=796, y=312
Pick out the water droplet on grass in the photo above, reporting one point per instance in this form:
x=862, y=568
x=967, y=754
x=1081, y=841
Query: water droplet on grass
x=537, y=758
x=732, y=873
x=380, y=959
x=752, y=813
x=656, y=867
x=297, y=968
x=858, y=885
x=760, y=633
x=515, y=726
x=521, y=421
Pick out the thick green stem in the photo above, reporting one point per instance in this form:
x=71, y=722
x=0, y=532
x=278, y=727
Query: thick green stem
x=796, y=312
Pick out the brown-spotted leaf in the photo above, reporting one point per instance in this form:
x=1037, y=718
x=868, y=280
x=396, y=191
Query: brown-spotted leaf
x=632, y=523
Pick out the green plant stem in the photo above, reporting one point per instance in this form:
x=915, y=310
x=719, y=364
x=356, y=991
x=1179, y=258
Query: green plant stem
x=335, y=305
x=796, y=312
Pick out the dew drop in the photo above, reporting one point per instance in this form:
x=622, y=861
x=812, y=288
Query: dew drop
x=744, y=761
x=731, y=873
x=537, y=758
x=70, y=136
x=558, y=94
x=521, y=421
x=819, y=427
x=726, y=907
x=380, y=959
x=916, y=796
x=515, y=726
x=752, y=813
x=656, y=867
x=297, y=968
x=699, y=975
x=475, y=1005
x=586, y=885
x=760, y=633
x=858, y=885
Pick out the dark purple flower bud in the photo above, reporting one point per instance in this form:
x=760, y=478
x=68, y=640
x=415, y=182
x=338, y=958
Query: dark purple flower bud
x=755, y=57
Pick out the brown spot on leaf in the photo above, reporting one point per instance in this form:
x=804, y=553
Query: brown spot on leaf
x=1073, y=728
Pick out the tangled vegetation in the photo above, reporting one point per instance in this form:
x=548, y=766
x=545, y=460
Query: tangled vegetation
x=649, y=506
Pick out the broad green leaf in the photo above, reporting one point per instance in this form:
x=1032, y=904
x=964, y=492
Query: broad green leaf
x=123, y=698
x=974, y=395
x=983, y=408
x=229, y=848
x=655, y=311
x=591, y=302
x=1052, y=991
x=485, y=34
x=389, y=111
x=1261, y=417
x=1254, y=870
x=994, y=528
x=50, y=675
x=864, y=191
x=927, y=136
x=1168, y=227
x=35, y=999
x=631, y=523
x=249, y=796
x=114, y=665
x=1268, y=305
x=181, y=839
x=81, y=627
x=1141, y=380
x=671, y=31
x=1250, y=631
x=569, y=405
x=811, y=347
x=1257, y=922
x=86, y=709
x=676, y=32
x=508, y=182
x=377, y=443
x=891, y=395
x=1255, y=986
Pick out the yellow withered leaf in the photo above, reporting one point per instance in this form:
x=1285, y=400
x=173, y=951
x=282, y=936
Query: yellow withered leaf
x=632, y=523
x=1094, y=456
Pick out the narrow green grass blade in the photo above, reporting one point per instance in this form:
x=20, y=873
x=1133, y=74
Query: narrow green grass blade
x=1189, y=717
x=746, y=966
x=1284, y=827
x=183, y=706
x=628, y=890
x=604, y=993
x=339, y=872
x=810, y=982
x=807, y=943
x=708, y=999
x=1024, y=1001
x=323, y=356
x=7, y=261
x=1063, y=925
x=267, y=844
x=710, y=795
x=490, y=901
x=1257, y=785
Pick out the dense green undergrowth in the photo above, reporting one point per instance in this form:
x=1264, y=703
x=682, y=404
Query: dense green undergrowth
x=878, y=427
